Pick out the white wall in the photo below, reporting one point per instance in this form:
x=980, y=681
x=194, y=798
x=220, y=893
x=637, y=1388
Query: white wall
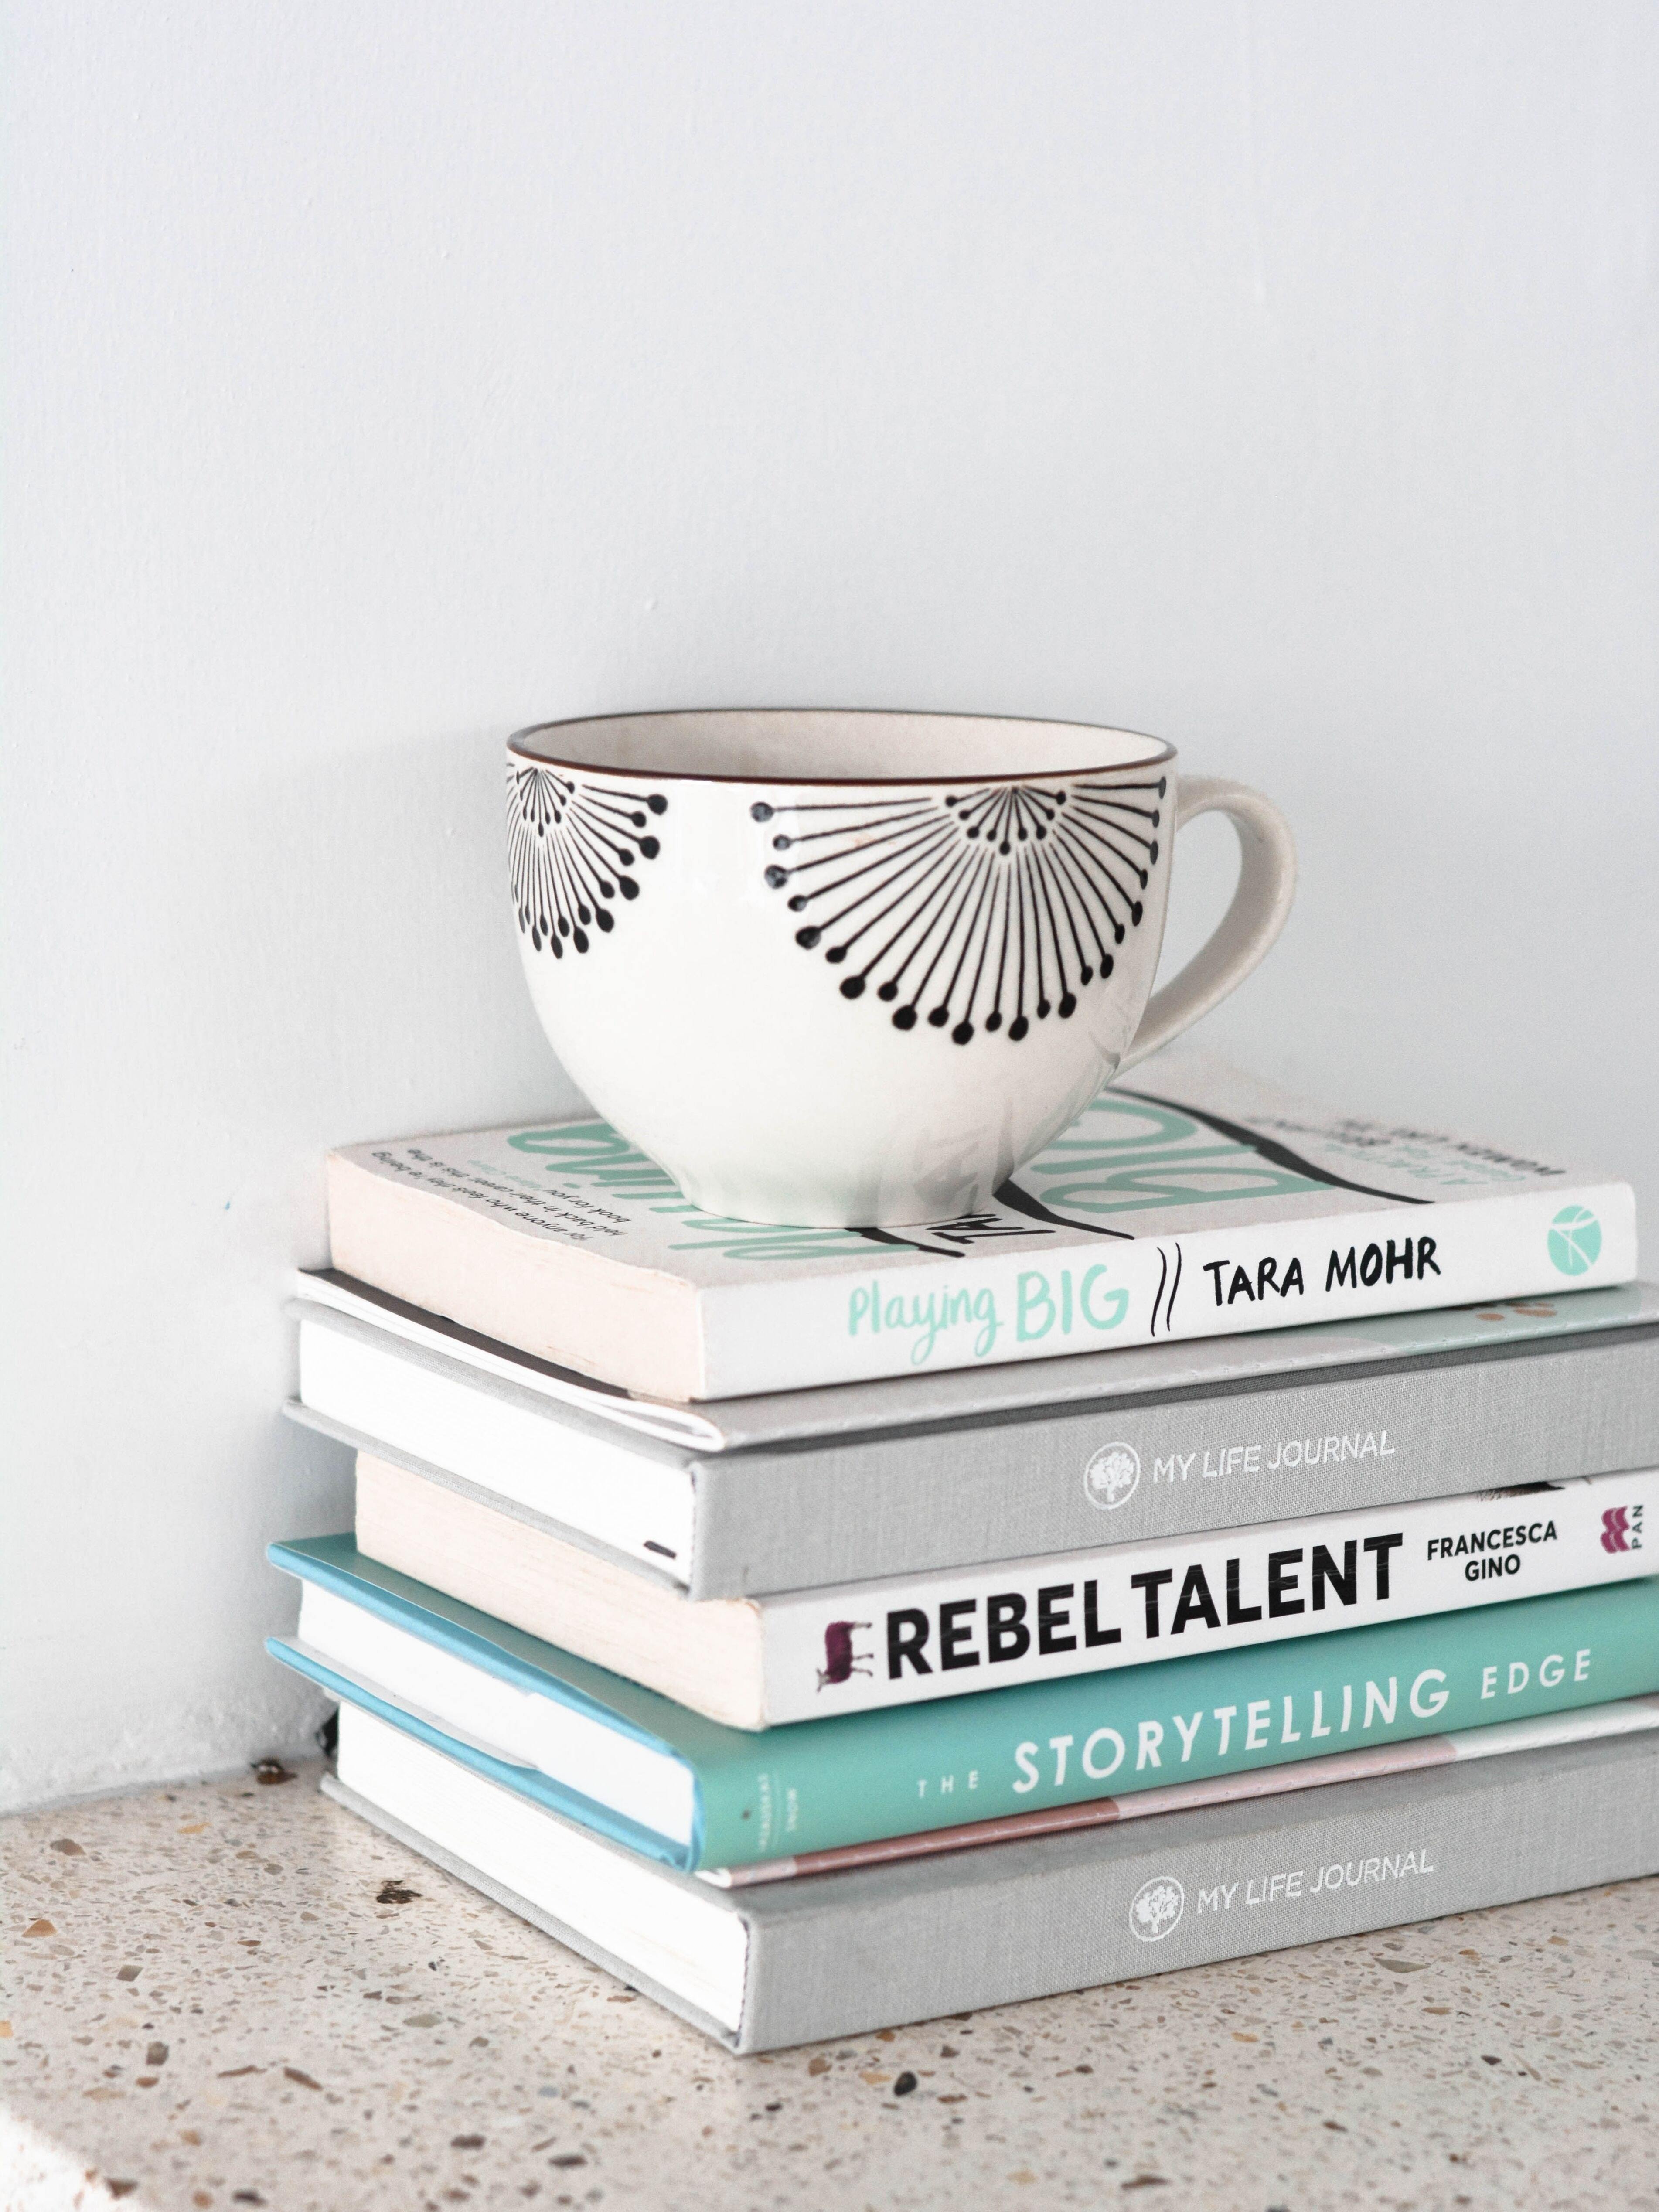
x=1281, y=379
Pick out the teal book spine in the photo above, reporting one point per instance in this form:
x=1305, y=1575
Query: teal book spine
x=814, y=1785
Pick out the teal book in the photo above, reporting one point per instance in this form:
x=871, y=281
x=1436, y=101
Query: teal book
x=644, y=1772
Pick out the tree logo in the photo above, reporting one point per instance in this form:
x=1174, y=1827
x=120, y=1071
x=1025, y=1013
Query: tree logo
x=1110, y=1477
x=1574, y=1240
x=1157, y=1908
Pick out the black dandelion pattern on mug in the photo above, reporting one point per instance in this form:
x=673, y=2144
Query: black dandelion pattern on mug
x=571, y=846
x=974, y=910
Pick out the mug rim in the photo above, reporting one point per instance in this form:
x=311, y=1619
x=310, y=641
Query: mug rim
x=1162, y=754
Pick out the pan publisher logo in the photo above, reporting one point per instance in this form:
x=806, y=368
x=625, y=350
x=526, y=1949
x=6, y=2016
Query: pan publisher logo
x=1111, y=1475
x=1621, y=1528
x=1156, y=1908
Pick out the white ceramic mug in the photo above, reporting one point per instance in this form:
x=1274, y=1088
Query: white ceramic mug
x=857, y=967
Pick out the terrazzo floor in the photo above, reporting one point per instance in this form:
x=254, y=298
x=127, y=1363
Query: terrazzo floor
x=235, y=1994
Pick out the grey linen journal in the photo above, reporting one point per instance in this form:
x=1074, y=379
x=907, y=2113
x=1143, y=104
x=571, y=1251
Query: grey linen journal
x=841, y=1954
x=1008, y=1484
x=1012, y=1487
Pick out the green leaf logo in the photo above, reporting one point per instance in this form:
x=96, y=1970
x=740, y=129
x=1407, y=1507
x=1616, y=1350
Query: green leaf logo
x=1574, y=1240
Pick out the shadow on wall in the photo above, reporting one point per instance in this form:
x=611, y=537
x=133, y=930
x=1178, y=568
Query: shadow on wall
x=344, y=962
x=222, y=980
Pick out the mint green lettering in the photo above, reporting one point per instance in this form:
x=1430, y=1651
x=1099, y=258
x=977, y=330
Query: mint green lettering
x=1140, y=1121
x=1113, y=1306
x=581, y=1143
x=1199, y=1177
x=926, y=1318
x=1126, y=1155
x=930, y=1319
x=1035, y=1296
x=592, y=1152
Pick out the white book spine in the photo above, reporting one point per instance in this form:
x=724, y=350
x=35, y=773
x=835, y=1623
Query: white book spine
x=793, y=1333
x=830, y=1652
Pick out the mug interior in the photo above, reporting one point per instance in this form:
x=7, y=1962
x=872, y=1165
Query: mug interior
x=832, y=746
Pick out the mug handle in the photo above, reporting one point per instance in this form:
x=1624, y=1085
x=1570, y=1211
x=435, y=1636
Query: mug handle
x=1267, y=885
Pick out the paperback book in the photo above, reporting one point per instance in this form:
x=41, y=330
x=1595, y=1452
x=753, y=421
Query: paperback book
x=634, y=1766
x=1196, y=1202
x=756, y=1663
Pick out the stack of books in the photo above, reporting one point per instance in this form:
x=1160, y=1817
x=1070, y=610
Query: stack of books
x=1236, y=1535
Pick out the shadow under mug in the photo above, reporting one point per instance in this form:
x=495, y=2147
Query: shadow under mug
x=856, y=968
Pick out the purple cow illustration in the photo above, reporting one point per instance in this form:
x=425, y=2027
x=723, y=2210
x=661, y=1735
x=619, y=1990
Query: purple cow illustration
x=841, y=1661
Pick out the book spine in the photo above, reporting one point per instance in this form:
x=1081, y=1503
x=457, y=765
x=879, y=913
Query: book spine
x=983, y=1309
x=901, y=1642
x=823, y=1783
x=1625, y=1717
x=632, y=1496
x=1029, y=1921
x=859, y=1511
x=488, y=1883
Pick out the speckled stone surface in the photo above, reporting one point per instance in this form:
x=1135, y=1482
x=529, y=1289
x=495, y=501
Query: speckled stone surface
x=236, y=1993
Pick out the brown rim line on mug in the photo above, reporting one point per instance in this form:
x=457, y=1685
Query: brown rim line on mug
x=1159, y=752
x=756, y=995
